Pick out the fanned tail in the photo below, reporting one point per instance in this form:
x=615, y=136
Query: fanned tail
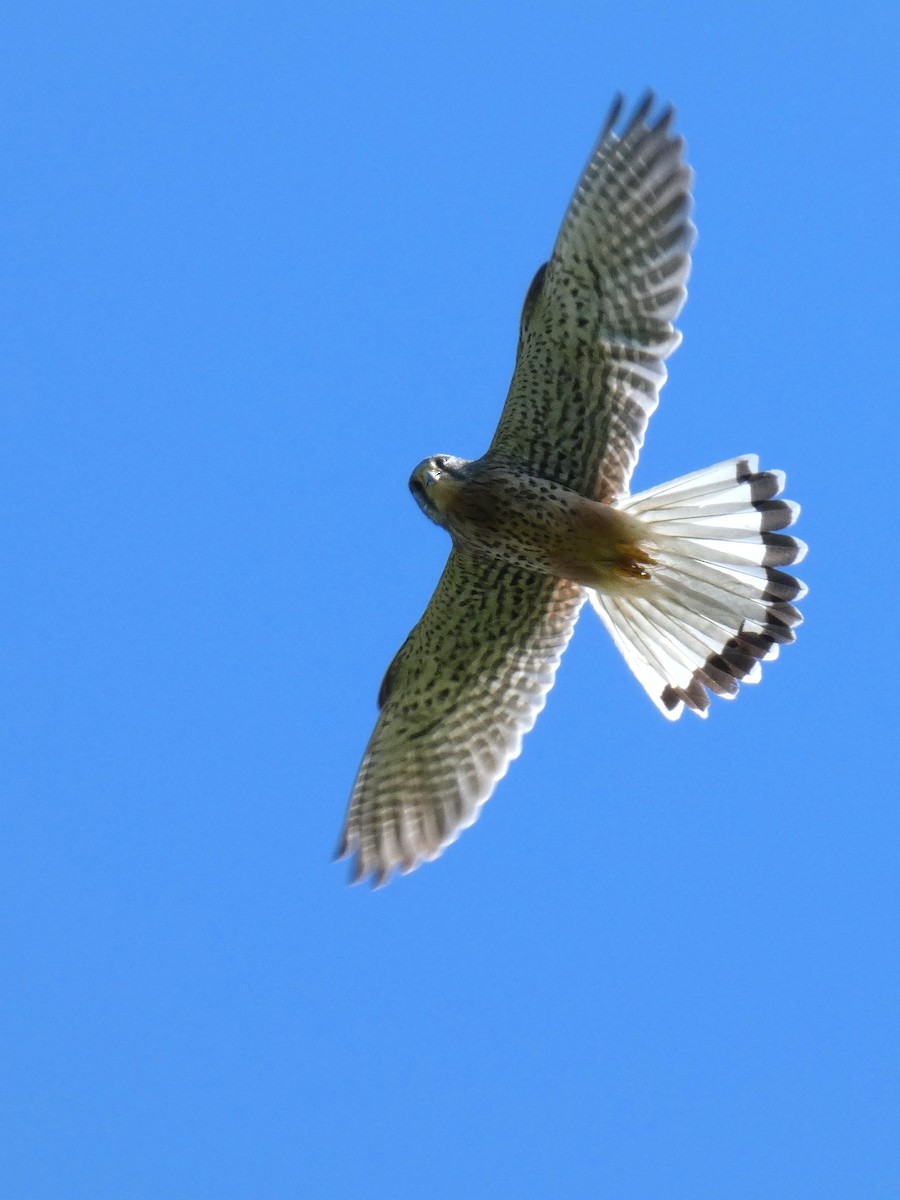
x=716, y=601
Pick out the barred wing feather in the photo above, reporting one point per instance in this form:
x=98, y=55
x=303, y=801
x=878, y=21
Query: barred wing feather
x=597, y=322
x=467, y=685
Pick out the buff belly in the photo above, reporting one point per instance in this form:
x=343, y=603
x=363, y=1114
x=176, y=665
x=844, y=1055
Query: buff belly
x=547, y=528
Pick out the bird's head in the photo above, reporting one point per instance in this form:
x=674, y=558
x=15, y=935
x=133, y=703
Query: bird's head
x=435, y=482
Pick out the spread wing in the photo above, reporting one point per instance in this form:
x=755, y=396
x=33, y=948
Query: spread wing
x=597, y=322
x=464, y=689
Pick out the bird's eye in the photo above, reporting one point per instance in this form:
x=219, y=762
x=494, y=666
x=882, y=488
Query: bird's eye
x=417, y=487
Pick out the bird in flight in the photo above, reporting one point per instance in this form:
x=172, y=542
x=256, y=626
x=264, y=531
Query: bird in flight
x=688, y=577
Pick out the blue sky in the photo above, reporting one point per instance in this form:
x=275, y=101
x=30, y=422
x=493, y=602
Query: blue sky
x=258, y=262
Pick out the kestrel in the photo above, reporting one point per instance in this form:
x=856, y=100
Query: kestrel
x=687, y=577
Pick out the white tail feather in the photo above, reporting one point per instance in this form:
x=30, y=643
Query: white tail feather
x=714, y=603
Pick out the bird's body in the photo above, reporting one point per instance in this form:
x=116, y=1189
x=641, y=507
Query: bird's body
x=687, y=576
x=495, y=510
